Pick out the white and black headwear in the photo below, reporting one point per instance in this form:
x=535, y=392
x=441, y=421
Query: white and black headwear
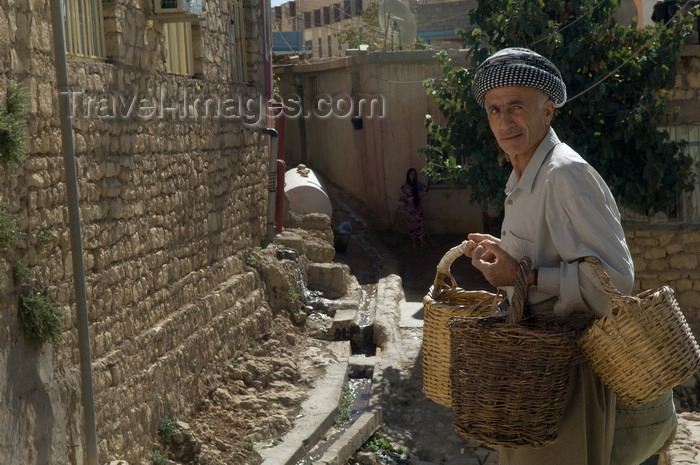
x=519, y=67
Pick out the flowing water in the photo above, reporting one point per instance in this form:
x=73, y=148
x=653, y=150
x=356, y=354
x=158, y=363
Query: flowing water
x=356, y=392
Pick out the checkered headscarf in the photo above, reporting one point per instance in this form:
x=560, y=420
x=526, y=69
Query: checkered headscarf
x=519, y=67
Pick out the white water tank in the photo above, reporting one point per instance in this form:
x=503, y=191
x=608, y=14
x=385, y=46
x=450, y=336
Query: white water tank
x=306, y=192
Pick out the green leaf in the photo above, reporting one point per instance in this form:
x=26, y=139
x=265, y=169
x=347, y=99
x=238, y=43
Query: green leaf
x=617, y=79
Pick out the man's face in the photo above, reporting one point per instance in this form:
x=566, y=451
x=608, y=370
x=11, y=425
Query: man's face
x=519, y=118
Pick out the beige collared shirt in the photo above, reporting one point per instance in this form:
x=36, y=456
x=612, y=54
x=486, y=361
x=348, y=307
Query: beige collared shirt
x=558, y=212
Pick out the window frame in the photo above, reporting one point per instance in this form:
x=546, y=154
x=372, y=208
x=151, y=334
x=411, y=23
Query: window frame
x=179, y=58
x=238, y=67
x=83, y=25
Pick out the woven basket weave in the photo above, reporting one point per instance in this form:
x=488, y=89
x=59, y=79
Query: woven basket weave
x=644, y=347
x=510, y=374
x=444, y=300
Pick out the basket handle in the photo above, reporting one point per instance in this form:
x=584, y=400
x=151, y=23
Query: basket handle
x=517, y=306
x=443, y=267
x=604, y=278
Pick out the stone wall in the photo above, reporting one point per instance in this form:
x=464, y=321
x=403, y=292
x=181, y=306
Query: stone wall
x=669, y=256
x=172, y=200
x=686, y=91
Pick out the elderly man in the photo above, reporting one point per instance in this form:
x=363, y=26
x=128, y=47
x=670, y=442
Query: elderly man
x=558, y=210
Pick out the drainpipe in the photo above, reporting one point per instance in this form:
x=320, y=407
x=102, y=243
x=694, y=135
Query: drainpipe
x=281, y=169
x=267, y=48
x=276, y=111
x=271, y=183
x=270, y=131
x=87, y=395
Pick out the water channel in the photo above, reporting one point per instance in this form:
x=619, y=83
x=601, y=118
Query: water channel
x=356, y=392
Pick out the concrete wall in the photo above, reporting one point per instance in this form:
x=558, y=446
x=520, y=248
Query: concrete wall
x=170, y=208
x=371, y=161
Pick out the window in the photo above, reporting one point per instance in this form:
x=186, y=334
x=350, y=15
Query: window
x=308, y=45
x=84, y=28
x=238, y=68
x=278, y=14
x=337, y=13
x=178, y=43
x=688, y=204
x=687, y=210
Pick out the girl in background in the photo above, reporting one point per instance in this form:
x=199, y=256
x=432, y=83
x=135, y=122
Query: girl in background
x=411, y=203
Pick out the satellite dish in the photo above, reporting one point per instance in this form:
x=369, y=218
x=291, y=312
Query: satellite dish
x=397, y=23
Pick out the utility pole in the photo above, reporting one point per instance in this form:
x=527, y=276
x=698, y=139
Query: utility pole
x=87, y=395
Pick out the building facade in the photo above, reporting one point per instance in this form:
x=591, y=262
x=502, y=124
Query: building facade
x=309, y=27
x=166, y=113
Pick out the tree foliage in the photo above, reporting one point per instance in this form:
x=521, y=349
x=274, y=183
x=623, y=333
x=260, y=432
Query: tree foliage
x=368, y=32
x=617, y=76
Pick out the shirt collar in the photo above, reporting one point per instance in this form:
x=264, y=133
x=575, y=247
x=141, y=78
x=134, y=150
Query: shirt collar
x=527, y=180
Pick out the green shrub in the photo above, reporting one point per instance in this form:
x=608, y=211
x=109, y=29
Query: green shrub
x=160, y=457
x=167, y=427
x=249, y=446
x=13, y=126
x=344, y=413
x=9, y=228
x=43, y=238
x=20, y=273
x=40, y=318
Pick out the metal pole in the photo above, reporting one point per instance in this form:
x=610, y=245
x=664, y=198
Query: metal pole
x=281, y=166
x=87, y=395
x=271, y=183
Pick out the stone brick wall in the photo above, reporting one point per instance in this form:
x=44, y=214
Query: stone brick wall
x=686, y=91
x=172, y=202
x=666, y=255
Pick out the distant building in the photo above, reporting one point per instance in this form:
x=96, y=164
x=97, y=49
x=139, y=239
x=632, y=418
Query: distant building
x=309, y=27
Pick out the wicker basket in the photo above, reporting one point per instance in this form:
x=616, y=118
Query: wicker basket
x=445, y=300
x=510, y=374
x=644, y=347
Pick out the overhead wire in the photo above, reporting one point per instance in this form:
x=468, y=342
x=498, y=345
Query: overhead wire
x=634, y=54
x=299, y=17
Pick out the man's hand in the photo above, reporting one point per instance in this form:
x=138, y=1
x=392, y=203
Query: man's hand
x=497, y=266
x=474, y=239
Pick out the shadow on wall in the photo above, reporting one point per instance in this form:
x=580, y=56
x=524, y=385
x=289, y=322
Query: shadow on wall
x=29, y=428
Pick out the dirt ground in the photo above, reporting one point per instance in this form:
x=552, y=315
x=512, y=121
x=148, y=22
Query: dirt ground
x=252, y=398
